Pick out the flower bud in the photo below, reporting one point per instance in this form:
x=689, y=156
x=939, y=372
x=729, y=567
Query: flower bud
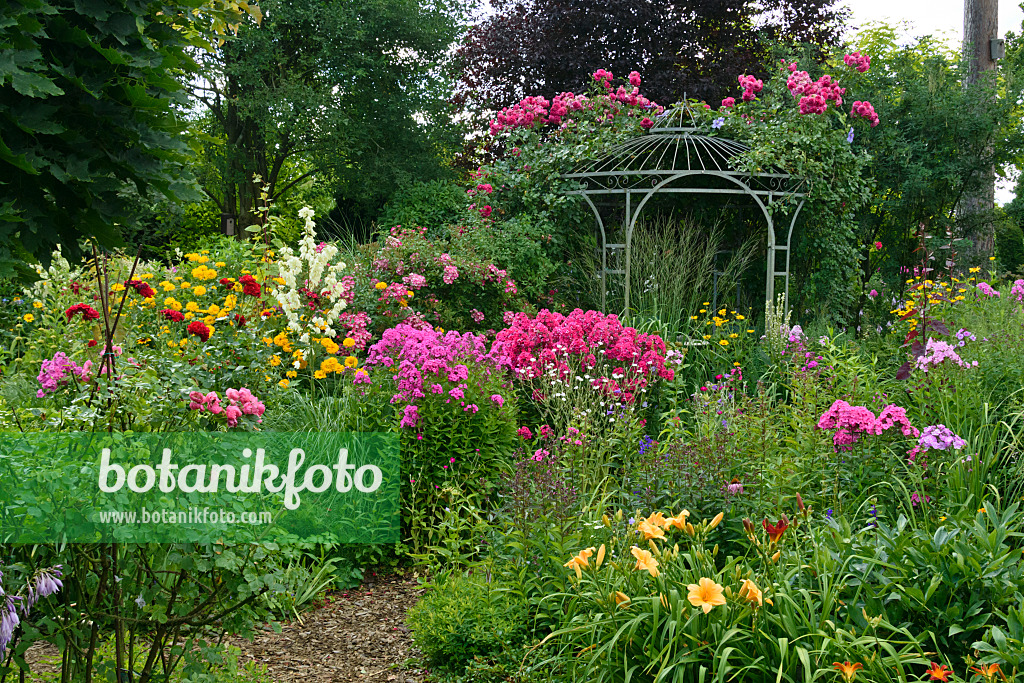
x=654, y=548
x=618, y=516
x=600, y=557
x=800, y=503
x=689, y=529
x=716, y=521
x=776, y=556
x=607, y=522
x=714, y=553
x=664, y=600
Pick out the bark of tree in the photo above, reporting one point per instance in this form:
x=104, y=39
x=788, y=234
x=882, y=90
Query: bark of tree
x=981, y=24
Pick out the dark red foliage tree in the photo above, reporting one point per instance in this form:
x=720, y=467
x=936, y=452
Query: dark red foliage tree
x=695, y=48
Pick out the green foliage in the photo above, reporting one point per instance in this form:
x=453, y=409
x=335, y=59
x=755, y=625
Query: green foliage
x=87, y=97
x=1010, y=242
x=287, y=100
x=935, y=140
x=432, y=205
x=467, y=618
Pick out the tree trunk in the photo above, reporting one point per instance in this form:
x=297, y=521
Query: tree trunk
x=981, y=25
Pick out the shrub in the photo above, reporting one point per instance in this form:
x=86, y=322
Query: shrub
x=432, y=205
x=465, y=617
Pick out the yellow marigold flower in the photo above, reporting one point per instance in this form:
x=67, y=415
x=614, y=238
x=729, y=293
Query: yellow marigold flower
x=183, y=342
x=230, y=301
x=645, y=561
x=192, y=307
x=707, y=336
x=740, y=317
x=284, y=383
x=189, y=316
x=37, y=304
x=214, y=309
x=118, y=287
x=351, y=362
x=199, y=290
x=219, y=264
x=28, y=317
x=975, y=270
x=275, y=360
x=723, y=342
x=381, y=285
x=329, y=345
x=171, y=343
x=734, y=336
x=279, y=280
x=167, y=286
x=706, y=594
x=703, y=310
x=319, y=374
x=349, y=342
x=292, y=374
x=185, y=285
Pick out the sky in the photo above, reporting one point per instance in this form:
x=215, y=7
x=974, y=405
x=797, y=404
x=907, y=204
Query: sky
x=937, y=17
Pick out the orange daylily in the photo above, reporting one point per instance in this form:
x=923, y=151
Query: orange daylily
x=621, y=599
x=750, y=592
x=581, y=561
x=938, y=672
x=645, y=561
x=706, y=594
x=988, y=672
x=656, y=519
x=848, y=670
x=679, y=521
x=650, y=530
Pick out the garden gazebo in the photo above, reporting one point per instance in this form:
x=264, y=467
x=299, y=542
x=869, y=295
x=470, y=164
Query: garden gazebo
x=677, y=156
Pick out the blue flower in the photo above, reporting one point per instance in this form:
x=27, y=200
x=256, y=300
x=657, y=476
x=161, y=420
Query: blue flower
x=849, y=137
x=717, y=123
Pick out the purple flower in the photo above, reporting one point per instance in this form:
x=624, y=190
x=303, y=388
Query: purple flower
x=849, y=136
x=940, y=438
x=410, y=416
x=718, y=123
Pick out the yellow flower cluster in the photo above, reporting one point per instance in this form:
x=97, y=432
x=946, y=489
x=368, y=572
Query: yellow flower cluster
x=204, y=273
x=198, y=258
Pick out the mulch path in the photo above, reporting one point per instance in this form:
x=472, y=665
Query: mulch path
x=354, y=635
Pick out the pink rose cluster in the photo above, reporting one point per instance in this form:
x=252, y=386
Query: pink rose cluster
x=57, y=371
x=751, y=86
x=535, y=111
x=936, y=352
x=240, y=402
x=814, y=95
x=866, y=111
x=425, y=361
x=1018, y=290
x=532, y=345
x=853, y=422
x=858, y=61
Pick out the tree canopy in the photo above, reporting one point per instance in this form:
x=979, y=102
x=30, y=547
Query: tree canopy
x=691, y=48
x=87, y=95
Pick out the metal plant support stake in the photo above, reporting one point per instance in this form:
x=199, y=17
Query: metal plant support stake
x=675, y=149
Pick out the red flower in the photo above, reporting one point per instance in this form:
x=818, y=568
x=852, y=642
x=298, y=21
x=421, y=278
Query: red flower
x=939, y=672
x=249, y=285
x=141, y=287
x=775, y=531
x=171, y=314
x=239, y=320
x=226, y=281
x=87, y=311
x=91, y=343
x=199, y=329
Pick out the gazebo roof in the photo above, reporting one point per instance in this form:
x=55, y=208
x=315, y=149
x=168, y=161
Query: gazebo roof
x=674, y=146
